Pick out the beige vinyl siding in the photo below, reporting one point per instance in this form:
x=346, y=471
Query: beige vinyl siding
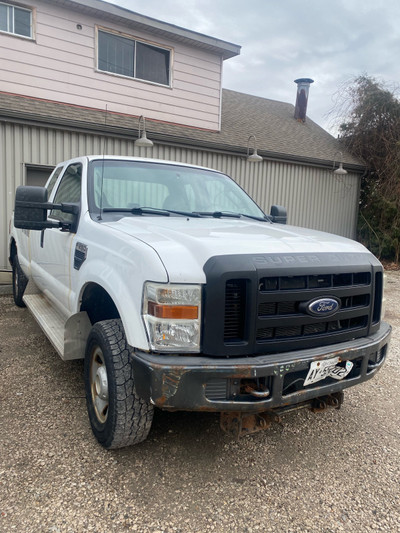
x=314, y=197
x=61, y=66
x=160, y=107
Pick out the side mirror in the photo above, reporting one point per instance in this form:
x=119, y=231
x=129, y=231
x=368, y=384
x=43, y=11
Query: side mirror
x=278, y=214
x=31, y=208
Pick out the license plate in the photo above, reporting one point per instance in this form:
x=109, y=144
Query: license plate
x=328, y=368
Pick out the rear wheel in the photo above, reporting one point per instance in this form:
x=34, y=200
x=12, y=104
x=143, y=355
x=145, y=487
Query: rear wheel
x=117, y=415
x=19, y=282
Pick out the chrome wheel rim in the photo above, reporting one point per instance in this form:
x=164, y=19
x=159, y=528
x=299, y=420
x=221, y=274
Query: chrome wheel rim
x=99, y=384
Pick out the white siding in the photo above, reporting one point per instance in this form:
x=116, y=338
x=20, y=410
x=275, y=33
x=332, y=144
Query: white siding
x=60, y=65
x=314, y=197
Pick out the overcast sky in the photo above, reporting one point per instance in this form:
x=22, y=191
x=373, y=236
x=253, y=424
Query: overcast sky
x=330, y=41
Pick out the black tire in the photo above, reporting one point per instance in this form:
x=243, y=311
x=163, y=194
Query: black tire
x=117, y=415
x=19, y=282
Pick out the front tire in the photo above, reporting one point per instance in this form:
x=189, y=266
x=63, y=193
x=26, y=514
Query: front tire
x=118, y=416
x=19, y=282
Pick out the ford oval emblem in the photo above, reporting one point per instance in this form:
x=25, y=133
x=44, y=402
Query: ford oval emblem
x=323, y=307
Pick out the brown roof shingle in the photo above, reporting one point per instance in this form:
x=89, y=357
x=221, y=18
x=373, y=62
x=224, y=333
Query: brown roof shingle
x=279, y=135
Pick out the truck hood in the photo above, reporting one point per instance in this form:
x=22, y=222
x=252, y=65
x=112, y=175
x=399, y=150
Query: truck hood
x=185, y=244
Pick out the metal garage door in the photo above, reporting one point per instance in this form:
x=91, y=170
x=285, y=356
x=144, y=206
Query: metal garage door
x=37, y=175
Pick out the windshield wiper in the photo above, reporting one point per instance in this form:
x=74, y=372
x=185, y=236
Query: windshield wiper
x=183, y=213
x=217, y=214
x=167, y=212
x=137, y=210
x=149, y=211
x=230, y=214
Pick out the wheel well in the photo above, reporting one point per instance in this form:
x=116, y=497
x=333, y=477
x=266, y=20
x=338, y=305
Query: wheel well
x=98, y=304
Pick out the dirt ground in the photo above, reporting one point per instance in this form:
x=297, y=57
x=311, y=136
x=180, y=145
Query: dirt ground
x=328, y=472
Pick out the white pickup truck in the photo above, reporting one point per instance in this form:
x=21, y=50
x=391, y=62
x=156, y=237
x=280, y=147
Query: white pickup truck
x=180, y=293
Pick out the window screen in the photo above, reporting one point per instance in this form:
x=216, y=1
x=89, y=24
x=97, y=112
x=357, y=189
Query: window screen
x=152, y=63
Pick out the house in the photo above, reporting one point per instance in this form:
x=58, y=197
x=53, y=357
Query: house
x=79, y=77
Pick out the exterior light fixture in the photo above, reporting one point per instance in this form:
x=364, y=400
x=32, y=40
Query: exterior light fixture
x=254, y=157
x=142, y=141
x=340, y=171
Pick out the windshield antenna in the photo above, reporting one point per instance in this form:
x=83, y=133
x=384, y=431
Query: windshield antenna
x=102, y=169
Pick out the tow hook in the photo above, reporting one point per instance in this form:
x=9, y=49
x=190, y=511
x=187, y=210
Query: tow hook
x=237, y=424
x=334, y=400
x=257, y=393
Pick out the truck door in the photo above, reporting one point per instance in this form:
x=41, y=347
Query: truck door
x=52, y=248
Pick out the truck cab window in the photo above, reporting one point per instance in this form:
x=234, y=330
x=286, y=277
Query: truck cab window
x=69, y=191
x=53, y=180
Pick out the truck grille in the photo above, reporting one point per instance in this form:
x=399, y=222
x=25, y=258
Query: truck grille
x=279, y=303
x=266, y=312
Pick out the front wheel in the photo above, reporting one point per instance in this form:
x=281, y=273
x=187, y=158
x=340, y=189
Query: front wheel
x=19, y=282
x=117, y=415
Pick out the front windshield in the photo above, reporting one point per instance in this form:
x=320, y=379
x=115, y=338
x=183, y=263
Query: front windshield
x=125, y=185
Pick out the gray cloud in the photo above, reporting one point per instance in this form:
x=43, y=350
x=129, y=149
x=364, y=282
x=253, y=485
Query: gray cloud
x=331, y=41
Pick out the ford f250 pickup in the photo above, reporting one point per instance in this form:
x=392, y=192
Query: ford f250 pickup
x=180, y=293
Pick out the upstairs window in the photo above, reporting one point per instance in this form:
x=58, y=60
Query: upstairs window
x=136, y=59
x=16, y=20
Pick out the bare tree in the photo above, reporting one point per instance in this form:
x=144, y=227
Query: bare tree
x=371, y=132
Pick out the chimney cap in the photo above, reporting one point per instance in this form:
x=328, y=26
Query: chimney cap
x=304, y=80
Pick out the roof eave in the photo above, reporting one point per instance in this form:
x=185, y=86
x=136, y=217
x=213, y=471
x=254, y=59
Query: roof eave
x=242, y=151
x=141, y=22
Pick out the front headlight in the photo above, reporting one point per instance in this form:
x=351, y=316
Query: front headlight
x=172, y=315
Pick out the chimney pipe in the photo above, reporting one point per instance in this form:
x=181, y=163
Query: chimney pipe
x=303, y=86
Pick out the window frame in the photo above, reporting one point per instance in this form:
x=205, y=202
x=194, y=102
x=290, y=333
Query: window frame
x=135, y=40
x=32, y=13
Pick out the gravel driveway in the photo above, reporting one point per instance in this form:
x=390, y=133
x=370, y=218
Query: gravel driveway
x=327, y=472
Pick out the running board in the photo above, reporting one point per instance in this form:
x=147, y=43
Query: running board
x=49, y=319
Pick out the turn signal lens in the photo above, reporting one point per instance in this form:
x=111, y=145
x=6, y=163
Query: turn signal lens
x=187, y=312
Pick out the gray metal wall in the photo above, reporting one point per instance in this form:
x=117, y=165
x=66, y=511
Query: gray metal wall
x=314, y=197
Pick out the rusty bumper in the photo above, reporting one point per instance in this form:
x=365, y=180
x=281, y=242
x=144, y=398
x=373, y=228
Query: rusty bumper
x=252, y=384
